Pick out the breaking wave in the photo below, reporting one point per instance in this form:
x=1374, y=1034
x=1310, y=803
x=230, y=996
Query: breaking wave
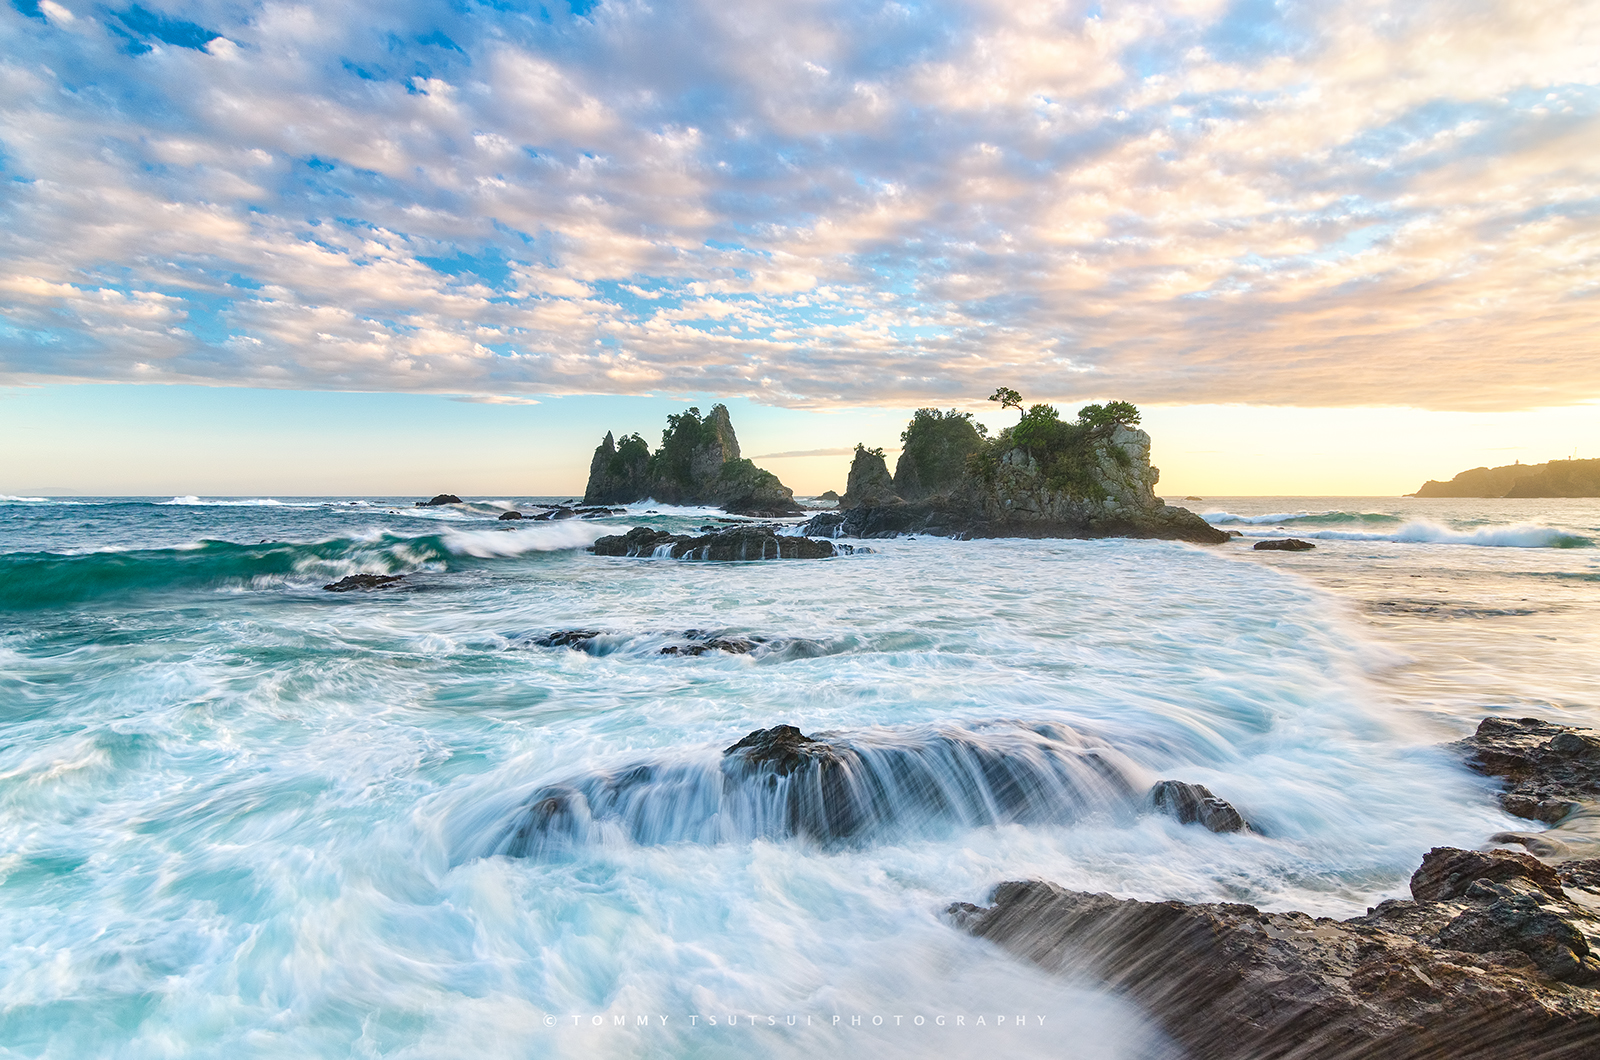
x=46, y=579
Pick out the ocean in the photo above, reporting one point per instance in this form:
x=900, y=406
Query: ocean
x=243, y=817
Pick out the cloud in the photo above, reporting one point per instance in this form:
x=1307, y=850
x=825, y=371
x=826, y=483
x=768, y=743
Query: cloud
x=804, y=452
x=810, y=205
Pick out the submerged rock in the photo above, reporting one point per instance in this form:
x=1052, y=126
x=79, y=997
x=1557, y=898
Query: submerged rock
x=353, y=582
x=1484, y=976
x=731, y=545
x=1553, y=769
x=509, y=516
x=443, y=498
x=1284, y=544
x=1194, y=804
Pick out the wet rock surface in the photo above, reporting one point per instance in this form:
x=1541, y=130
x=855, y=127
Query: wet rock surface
x=361, y=582
x=510, y=517
x=1553, y=770
x=946, y=518
x=1501, y=970
x=1284, y=544
x=731, y=545
x=1195, y=804
x=441, y=499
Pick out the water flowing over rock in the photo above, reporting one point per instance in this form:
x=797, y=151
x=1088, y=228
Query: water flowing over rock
x=698, y=463
x=731, y=545
x=1194, y=804
x=829, y=788
x=1484, y=976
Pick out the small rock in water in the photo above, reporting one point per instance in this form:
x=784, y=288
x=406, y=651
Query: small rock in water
x=1284, y=544
x=731, y=545
x=568, y=638
x=351, y=582
x=510, y=515
x=443, y=498
x=1195, y=804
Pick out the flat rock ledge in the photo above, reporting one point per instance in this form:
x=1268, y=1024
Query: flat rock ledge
x=1492, y=958
x=731, y=545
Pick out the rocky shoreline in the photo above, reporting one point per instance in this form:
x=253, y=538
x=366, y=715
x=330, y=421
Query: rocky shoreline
x=1496, y=954
x=735, y=544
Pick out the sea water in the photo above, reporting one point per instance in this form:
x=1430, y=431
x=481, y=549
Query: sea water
x=241, y=816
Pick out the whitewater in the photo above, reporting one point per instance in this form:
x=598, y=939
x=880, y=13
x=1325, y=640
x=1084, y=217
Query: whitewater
x=242, y=816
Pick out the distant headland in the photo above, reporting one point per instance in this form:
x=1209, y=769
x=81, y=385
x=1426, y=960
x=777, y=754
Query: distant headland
x=1558, y=478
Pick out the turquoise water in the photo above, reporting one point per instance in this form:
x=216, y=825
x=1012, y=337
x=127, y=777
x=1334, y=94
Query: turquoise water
x=240, y=816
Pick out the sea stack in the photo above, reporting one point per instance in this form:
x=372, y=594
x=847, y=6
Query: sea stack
x=1043, y=478
x=698, y=463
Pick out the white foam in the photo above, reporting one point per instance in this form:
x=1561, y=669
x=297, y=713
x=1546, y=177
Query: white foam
x=1423, y=531
x=542, y=537
x=235, y=502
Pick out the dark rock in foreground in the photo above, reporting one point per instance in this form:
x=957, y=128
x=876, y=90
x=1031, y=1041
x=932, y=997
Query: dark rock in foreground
x=944, y=518
x=1284, y=544
x=1482, y=975
x=1194, y=804
x=510, y=516
x=443, y=498
x=1553, y=769
x=352, y=582
x=732, y=545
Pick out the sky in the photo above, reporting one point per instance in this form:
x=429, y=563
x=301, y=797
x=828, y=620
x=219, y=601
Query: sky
x=1329, y=248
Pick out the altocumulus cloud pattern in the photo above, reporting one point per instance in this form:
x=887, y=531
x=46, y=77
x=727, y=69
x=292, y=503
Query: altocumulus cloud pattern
x=808, y=202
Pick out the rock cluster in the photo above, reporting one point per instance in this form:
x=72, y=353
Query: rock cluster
x=1016, y=497
x=733, y=544
x=1499, y=964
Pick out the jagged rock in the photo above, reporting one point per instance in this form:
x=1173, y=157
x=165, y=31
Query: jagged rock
x=1284, y=544
x=1447, y=873
x=933, y=457
x=782, y=749
x=731, y=645
x=869, y=482
x=558, y=512
x=353, y=582
x=443, y=498
x=510, y=516
x=1527, y=922
x=618, y=475
x=734, y=544
x=1195, y=804
x=1553, y=769
x=698, y=463
x=1229, y=982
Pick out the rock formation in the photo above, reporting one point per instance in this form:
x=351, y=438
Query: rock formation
x=1194, y=804
x=698, y=463
x=1284, y=544
x=1558, y=478
x=1055, y=480
x=441, y=499
x=734, y=544
x=869, y=482
x=1554, y=770
x=1498, y=964
x=353, y=582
